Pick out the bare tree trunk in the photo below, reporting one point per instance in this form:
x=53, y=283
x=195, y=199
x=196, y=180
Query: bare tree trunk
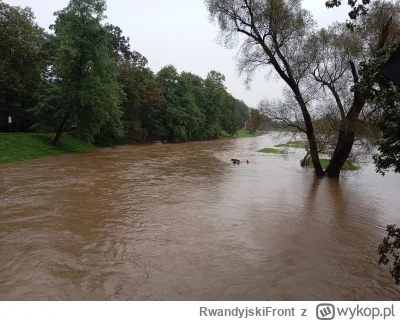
x=304, y=162
x=343, y=148
x=311, y=137
x=60, y=131
x=347, y=135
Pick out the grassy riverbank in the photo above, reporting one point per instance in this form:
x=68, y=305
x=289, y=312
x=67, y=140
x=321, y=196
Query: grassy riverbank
x=240, y=134
x=22, y=146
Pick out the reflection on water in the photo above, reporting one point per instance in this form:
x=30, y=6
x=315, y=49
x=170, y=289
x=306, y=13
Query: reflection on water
x=180, y=222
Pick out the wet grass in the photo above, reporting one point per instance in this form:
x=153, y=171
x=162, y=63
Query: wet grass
x=240, y=134
x=348, y=166
x=294, y=144
x=273, y=151
x=22, y=146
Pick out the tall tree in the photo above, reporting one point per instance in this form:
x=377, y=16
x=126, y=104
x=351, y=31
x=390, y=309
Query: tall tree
x=242, y=113
x=21, y=61
x=276, y=32
x=90, y=94
x=255, y=121
x=225, y=102
x=179, y=117
x=143, y=98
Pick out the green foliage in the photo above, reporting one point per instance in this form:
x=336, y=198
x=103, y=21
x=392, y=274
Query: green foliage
x=273, y=151
x=89, y=95
x=21, y=61
x=21, y=146
x=389, y=251
x=242, y=113
x=389, y=146
x=381, y=92
x=194, y=108
x=255, y=120
x=86, y=78
x=143, y=98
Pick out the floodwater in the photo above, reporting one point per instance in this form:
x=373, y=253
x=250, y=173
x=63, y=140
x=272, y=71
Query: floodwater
x=180, y=222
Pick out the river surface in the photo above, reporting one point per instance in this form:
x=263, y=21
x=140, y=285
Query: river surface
x=180, y=222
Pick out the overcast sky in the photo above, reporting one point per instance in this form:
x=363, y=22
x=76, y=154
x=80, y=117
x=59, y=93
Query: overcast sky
x=178, y=32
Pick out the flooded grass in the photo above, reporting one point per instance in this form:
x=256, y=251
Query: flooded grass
x=273, y=151
x=240, y=134
x=348, y=166
x=294, y=144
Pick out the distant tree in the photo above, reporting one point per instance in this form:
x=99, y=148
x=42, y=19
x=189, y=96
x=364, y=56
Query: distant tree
x=179, y=117
x=242, y=113
x=229, y=120
x=255, y=121
x=21, y=61
x=86, y=70
x=226, y=103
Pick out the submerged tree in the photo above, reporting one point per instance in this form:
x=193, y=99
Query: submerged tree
x=276, y=33
x=281, y=34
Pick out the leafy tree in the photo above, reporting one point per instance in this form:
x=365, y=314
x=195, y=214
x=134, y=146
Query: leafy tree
x=229, y=120
x=389, y=251
x=178, y=119
x=255, y=121
x=143, y=98
x=242, y=113
x=281, y=34
x=275, y=34
x=86, y=71
x=225, y=101
x=21, y=62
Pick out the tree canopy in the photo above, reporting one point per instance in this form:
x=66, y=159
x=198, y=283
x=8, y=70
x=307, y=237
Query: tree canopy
x=85, y=78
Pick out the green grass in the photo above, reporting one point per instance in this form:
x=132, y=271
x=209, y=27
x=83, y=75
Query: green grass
x=273, y=151
x=294, y=144
x=240, y=134
x=22, y=146
x=348, y=166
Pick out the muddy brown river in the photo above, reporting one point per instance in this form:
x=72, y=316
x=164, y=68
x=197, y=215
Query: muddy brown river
x=180, y=222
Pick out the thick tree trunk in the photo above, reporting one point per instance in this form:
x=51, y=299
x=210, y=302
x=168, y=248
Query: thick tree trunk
x=60, y=131
x=343, y=148
x=311, y=137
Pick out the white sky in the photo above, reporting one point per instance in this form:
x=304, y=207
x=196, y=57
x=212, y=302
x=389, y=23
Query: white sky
x=178, y=32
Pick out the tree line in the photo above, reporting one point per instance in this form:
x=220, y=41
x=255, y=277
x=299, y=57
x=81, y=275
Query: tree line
x=84, y=77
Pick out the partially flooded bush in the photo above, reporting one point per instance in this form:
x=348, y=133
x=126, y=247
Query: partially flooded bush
x=389, y=251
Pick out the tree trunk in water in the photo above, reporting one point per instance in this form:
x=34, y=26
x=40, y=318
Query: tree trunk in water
x=343, y=148
x=60, y=131
x=311, y=137
x=304, y=162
